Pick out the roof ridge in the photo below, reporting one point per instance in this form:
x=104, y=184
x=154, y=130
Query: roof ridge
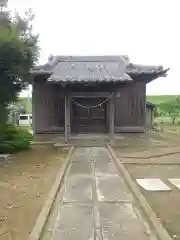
x=95, y=58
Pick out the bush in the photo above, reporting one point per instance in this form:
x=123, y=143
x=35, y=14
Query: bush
x=14, y=139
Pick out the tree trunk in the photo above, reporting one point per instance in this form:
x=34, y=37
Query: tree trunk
x=173, y=120
x=3, y=115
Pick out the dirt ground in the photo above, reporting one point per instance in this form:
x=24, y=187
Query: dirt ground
x=155, y=155
x=25, y=181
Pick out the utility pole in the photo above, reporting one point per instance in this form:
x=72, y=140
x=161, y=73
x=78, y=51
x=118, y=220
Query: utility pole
x=29, y=108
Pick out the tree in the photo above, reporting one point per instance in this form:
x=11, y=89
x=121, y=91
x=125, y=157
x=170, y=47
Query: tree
x=14, y=111
x=172, y=108
x=18, y=54
x=157, y=112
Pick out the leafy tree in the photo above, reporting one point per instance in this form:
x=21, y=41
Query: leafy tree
x=172, y=108
x=14, y=110
x=157, y=112
x=18, y=54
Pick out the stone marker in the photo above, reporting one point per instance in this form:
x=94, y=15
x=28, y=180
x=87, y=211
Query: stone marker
x=153, y=184
x=175, y=182
x=4, y=156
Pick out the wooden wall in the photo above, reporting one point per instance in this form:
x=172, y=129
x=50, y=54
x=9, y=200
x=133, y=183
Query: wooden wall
x=48, y=107
x=130, y=107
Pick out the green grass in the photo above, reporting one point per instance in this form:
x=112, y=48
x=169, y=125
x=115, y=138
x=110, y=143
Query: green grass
x=167, y=119
x=168, y=126
x=156, y=99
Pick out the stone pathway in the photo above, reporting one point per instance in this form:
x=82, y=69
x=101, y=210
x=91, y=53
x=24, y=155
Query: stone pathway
x=96, y=203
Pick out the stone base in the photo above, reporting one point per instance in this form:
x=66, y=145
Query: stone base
x=4, y=156
x=62, y=147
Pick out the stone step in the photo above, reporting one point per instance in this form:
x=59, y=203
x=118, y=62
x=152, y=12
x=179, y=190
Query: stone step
x=88, y=142
x=82, y=143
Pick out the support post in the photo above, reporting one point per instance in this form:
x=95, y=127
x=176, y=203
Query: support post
x=111, y=117
x=69, y=115
x=107, y=117
x=67, y=128
x=34, y=100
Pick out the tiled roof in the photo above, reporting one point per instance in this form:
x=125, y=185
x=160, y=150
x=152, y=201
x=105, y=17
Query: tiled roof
x=94, y=68
x=77, y=69
x=151, y=105
x=137, y=68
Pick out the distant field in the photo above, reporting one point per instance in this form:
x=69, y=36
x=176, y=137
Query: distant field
x=156, y=99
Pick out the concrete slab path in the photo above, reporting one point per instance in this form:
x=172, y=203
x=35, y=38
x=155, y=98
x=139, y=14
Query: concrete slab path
x=96, y=203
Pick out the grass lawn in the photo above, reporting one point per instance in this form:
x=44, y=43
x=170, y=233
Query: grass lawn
x=168, y=125
x=156, y=99
x=25, y=181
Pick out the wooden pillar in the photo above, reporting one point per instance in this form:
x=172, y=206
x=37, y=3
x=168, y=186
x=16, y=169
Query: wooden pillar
x=67, y=119
x=144, y=105
x=69, y=116
x=34, y=100
x=111, y=117
x=107, y=117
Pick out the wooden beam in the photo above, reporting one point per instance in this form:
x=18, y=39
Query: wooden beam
x=89, y=94
x=85, y=94
x=129, y=129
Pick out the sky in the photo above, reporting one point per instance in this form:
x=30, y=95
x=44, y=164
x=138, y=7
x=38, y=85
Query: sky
x=148, y=31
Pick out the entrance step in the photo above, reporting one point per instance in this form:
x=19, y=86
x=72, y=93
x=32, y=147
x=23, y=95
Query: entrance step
x=81, y=143
x=88, y=142
x=84, y=140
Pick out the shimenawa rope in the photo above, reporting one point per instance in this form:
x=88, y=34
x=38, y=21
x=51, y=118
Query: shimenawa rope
x=88, y=107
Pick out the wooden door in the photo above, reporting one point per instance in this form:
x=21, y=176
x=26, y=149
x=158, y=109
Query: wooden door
x=85, y=119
